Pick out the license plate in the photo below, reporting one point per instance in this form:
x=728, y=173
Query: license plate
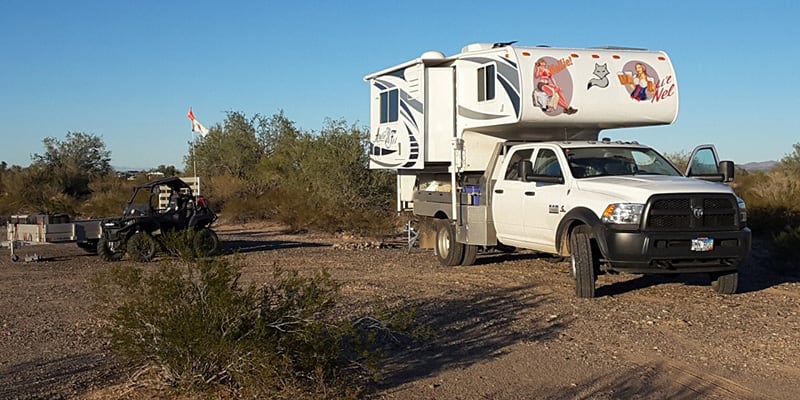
x=703, y=244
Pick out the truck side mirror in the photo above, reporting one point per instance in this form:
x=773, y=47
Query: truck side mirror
x=524, y=169
x=728, y=170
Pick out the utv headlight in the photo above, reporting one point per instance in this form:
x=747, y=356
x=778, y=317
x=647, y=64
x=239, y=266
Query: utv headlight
x=623, y=214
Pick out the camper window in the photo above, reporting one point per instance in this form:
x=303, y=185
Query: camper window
x=486, y=82
x=389, y=106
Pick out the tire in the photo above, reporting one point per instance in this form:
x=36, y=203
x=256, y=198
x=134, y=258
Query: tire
x=583, y=260
x=105, y=251
x=725, y=282
x=142, y=247
x=205, y=243
x=470, y=254
x=447, y=250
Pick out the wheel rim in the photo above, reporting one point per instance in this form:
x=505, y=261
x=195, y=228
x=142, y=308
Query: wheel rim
x=443, y=243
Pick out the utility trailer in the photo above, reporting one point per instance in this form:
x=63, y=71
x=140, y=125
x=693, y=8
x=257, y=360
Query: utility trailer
x=54, y=228
x=499, y=146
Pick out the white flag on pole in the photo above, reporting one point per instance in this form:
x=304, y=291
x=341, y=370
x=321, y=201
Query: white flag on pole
x=196, y=125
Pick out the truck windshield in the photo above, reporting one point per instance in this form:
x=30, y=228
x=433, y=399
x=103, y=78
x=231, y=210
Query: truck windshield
x=587, y=162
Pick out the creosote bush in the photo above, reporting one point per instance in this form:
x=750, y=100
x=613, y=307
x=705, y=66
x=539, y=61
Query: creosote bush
x=195, y=322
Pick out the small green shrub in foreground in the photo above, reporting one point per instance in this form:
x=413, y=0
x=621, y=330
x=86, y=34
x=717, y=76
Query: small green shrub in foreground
x=283, y=340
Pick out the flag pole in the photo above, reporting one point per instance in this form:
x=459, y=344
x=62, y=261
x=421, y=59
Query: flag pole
x=191, y=151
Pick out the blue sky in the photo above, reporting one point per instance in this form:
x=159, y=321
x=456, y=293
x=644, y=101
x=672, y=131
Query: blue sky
x=128, y=71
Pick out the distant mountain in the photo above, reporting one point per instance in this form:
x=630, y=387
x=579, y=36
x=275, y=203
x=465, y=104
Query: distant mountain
x=758, y=166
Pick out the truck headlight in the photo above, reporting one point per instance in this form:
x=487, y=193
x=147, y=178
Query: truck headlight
x=742, y=211
x=623, y=213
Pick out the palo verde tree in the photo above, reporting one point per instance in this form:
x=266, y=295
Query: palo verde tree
x=74, y=162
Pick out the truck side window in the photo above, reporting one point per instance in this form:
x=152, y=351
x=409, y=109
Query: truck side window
x=546, y=163
x=704, y=163
x=512, y=173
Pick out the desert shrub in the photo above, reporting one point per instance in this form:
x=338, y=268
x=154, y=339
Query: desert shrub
x=288, y=339
x=680, y=159
x=787, y=250
x=771, y=199
x=323, y=182
x=179, y=244
x=108, y=198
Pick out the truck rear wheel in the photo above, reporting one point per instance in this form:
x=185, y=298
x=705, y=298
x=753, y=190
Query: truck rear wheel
x=725, y=282
x=142, y=247
x=470, y=254
x=583, y=262
x=447, y=250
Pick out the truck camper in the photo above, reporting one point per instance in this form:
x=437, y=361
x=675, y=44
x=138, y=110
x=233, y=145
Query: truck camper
x=499, y=146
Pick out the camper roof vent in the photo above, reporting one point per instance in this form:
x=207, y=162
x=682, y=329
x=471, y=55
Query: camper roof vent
x=476, y=47
x=432, y=55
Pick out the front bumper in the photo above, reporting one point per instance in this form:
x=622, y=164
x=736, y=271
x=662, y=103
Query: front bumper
x=670, y=252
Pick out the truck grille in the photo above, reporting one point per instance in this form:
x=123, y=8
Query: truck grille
x=709, y=212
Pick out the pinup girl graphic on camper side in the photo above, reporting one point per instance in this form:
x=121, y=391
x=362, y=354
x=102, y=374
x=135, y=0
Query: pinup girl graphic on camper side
x=639, y=82
x=547, y=94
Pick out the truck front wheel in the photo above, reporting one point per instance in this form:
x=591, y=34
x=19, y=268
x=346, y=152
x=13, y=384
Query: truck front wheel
x=725, y=282
x=583, y=262
x=448, y=251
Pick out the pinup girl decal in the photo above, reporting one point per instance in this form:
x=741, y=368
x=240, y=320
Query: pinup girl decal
x=639, y=82
x=547, y=94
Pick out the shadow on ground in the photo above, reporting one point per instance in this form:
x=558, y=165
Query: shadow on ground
x=471, y=330
x=65, y=377
x=251, y=246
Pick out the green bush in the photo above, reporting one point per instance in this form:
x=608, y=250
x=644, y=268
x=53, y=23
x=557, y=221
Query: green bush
x=787, y=250
x=208, y=334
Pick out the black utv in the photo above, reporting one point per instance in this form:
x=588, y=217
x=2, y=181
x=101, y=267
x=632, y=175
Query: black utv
x=157, y=207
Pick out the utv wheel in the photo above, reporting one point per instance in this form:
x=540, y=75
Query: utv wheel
x=583, y=262
x=107, y=252
x=725, y=282
x=206, y=243
x=447, y=250
x=142, y=247
x=470, y=254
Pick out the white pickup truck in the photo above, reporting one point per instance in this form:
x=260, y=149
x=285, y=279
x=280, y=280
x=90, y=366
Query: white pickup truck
x=499, y=147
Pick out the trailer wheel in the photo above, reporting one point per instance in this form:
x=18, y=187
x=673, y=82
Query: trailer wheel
x=206, y=243
x=448, y=251
x=725, y=282
x=470, y=254
x=583, y=262
x=142, y=247
x=107, y=253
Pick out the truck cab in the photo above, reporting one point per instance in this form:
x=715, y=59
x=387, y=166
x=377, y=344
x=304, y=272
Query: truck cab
x=636, y=211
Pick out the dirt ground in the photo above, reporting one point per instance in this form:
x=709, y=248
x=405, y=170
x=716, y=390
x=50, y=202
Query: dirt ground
x=506, y=328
